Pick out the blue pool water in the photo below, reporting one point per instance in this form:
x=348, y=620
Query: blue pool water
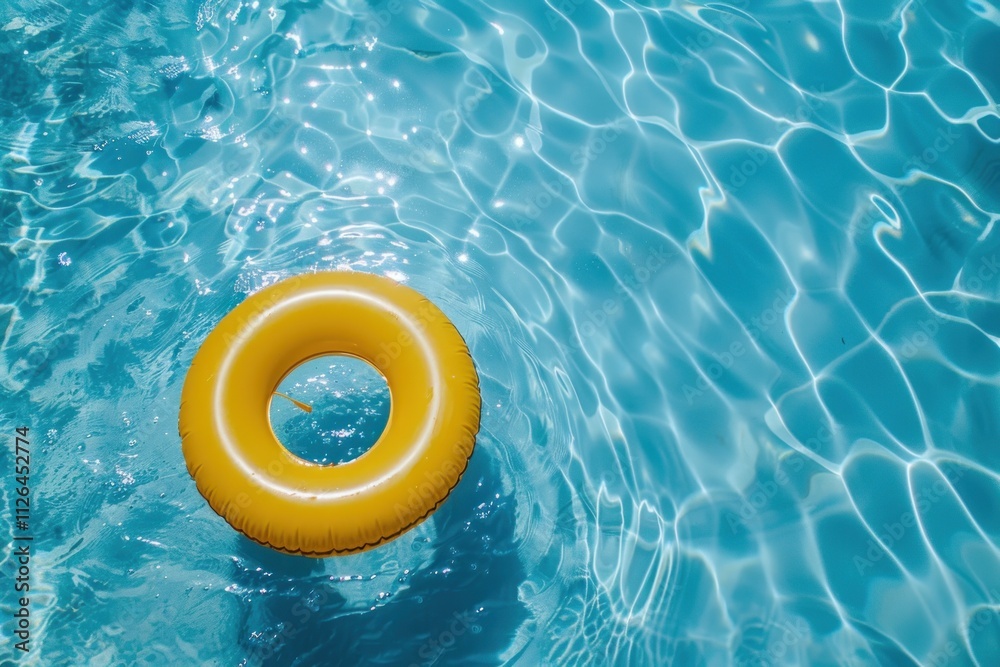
x=729, y=273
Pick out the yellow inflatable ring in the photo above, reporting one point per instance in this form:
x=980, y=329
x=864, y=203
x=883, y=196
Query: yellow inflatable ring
x=297, y=506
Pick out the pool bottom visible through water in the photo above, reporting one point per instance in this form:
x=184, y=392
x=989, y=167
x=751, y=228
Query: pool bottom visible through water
x=729, y=273
x=349, y=401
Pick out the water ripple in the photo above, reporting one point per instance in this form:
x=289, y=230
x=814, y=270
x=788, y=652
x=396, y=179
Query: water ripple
x=729, y=274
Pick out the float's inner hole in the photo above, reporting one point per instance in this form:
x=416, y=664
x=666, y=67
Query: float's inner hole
x=350, y=409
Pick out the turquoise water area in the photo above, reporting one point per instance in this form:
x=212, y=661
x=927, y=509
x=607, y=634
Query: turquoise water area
x=729, y=273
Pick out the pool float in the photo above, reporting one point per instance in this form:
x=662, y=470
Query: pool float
x=297, y=506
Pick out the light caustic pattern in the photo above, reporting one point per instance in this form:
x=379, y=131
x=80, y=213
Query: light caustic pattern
x=729, y=273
